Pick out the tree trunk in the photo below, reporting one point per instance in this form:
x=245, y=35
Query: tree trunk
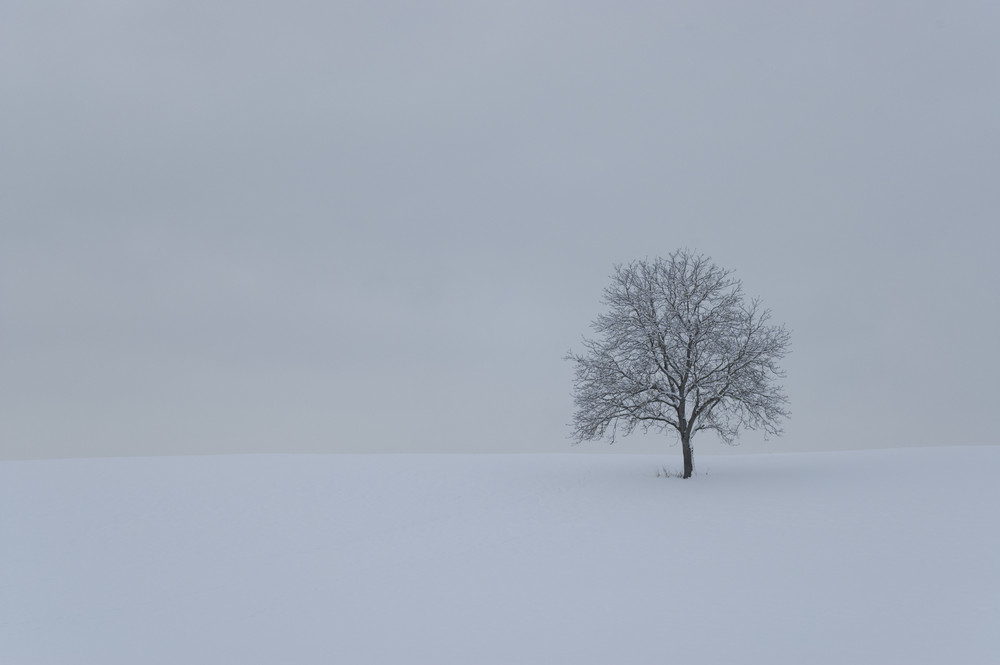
x=686, y=446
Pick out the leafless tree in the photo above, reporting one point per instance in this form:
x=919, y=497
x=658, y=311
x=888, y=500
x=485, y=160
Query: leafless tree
x=679, y=349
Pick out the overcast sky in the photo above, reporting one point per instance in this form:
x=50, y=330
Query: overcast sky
x=379, y=226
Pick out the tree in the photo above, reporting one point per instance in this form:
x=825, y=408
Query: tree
x=679, y=349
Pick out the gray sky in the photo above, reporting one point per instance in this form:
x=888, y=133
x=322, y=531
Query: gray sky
x=358, y=226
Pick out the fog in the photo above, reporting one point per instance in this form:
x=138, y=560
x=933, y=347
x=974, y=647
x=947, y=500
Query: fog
x=350, y=226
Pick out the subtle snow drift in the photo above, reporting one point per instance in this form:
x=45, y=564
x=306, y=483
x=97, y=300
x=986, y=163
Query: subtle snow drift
x=861, y=557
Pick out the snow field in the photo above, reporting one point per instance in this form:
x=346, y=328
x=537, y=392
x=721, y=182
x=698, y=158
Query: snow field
x=862, y=557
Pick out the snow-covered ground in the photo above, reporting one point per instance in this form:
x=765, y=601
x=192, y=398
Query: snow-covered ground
x=856, y=557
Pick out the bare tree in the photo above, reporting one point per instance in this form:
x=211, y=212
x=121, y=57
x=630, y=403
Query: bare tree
x=679, y=349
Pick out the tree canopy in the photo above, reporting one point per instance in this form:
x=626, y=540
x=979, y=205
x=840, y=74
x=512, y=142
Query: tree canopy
x=679, y=349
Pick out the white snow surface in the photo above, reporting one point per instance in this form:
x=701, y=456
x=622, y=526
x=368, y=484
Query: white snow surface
x=888, y=556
